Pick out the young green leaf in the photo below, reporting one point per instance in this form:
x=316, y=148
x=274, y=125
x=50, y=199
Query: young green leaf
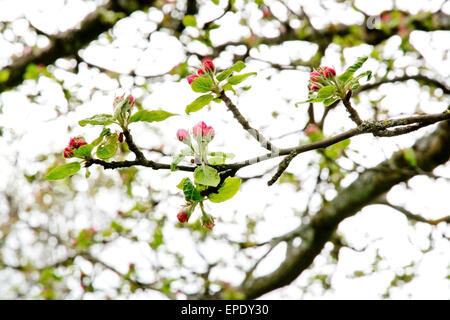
x=190, y=192
x=326, y=92
x=330, y=101
x=239, y=78
x=181, y=184
x=238, y=66
x=189, y=21
x=199, y=103
x=109, y=147
x=63, y=171
x=150, y=116
x=348, y=74
x=207, y=176
x=201, y=84
x=83, y=151
x=227, y=190
x=98, y=119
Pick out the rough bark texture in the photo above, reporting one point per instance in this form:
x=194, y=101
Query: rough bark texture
x=431, y=151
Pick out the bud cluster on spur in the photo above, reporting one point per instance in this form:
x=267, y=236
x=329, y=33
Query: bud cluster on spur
x=74, y=144
x=208, y=184
x=328, y=87
x=207, y=67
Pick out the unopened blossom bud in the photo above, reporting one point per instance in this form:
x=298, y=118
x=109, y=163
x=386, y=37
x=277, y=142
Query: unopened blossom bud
x=182, y=135
x=314, y=87
x=328, y=72
x=120, y=137
x=314, y=76
x=191, y=78
x=209, y=133
x=200, y=71
x=208, y=222
x=311, y=129
x=183, y=216
x=67, y=153
x=208, y=65
x=131, y=100
x=199, y=129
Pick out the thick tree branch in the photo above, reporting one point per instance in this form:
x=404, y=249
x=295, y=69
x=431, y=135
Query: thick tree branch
x=431, y=151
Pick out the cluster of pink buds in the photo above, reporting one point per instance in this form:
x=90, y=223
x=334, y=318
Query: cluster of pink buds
x=74, y=143
x=207, y=67
x=319, y=77
x=200, y=131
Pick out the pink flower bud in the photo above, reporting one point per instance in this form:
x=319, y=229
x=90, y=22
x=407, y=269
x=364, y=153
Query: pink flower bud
x=199, y=129
x=314, y=87
x=209, y=133
x=67, y=153
x=120, y=137
x=209, y=223
x=328, y=72
x=131, y=100
x=191, y=78
x=183, y=216
x=208, y=65
x=182, y=135
x=76, y=142
x=311, y=129
x=72, y=143
x=314, y=76
x=266, y=13
x=200, y=71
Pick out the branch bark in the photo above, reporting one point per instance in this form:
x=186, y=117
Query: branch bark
x=431, y=151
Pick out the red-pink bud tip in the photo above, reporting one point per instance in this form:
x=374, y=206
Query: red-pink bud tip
x=209, y=224
x=182, y=135
x=311, y=129
x=182, y=216
x=208, y=65
x=67, y=153
x=191, y=78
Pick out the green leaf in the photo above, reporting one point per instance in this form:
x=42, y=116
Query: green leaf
x=326, y=92
x=199, y=103
x=330, y=101
x=227, y=190
x=109, y=147
x=150, y=116
x=98, y=119
x=310, y=100
x=216, y=2
x=184, y=153
x=4, y=75
x=410, y=156
x=219, y=157
x=238, y=66
x=181, y=184
x=83, y=151
x=229, y=87
x=202, y=84
x=239, y=78
x=105, y=132
x=189, y=21
x=207, y=176
x=190, y=192
x=347, y=75
x=63, y=171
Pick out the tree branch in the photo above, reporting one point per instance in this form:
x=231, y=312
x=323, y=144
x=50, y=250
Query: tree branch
x=244, y=123
x=431, y=151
